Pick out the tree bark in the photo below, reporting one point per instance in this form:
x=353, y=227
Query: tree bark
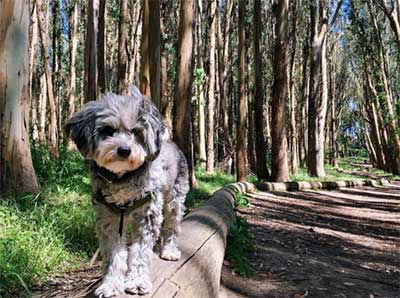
x=42, y=109
x=16, y=170
x=292, y=94
x=101, y=57
x=144, y=51
x=261, y=144
x=135, y=43
x=201, y=109
x=53, y=143
x=165, y=100
x=72, y=90
x=279, y=168
x=183, y=96
x=223, y=65
x=91, y=72
x=123, y=10
x=317, y=98
x=211, y=89
x=154, y=51
x=241, y=162
x=304, y=106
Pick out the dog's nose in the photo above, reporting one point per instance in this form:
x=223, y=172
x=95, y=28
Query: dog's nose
x=124, y=151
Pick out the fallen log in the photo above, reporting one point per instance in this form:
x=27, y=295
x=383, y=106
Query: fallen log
x=202, y=242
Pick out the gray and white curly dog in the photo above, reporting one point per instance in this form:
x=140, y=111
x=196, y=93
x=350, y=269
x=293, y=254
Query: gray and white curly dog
x=140, y=181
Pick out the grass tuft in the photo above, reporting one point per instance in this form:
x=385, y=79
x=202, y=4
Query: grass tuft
x=240, y=245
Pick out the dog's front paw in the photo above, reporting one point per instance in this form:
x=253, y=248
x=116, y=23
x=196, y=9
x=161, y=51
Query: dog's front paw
x=109, y=288
x=138, y=285
x=170, y=253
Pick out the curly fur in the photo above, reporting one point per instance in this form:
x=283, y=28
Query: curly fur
x=132, y=121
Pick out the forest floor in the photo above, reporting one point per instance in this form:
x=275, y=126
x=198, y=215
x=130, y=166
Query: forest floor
x=342, y=243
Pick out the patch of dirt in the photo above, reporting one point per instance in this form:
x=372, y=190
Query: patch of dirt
x=76, y=284
x=323, y=244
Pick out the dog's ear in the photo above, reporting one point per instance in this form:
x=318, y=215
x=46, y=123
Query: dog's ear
x=156, y=131
x=80, y=128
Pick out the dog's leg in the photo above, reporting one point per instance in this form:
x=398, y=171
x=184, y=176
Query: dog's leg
x=114, y=255
x=173, y=213
x=141, y=251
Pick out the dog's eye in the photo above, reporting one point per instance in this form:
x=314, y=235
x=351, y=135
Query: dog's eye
x=107, y=131
x=137, y=132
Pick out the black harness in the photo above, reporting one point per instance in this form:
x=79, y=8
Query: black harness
x=121, y=209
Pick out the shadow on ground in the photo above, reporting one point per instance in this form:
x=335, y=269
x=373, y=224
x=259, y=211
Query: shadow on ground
x=342, y=243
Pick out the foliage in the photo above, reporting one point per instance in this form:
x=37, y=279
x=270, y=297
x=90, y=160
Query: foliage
x=241, y=200
x=49, y=232
x=240, y=245
x=207, y=184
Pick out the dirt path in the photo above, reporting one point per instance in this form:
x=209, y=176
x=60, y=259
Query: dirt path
x=323, y=244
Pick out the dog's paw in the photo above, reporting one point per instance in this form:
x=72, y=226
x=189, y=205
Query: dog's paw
x=170, y=253
x=138, y=285
x=109, y=289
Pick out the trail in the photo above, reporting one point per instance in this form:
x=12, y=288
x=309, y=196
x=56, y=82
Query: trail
x=342, y=243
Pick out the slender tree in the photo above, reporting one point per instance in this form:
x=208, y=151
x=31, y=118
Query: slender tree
x=317, y=99
x=241, y=162
x=91, y=72
x=53, y=143
x=144, y=51
x=261, y=144
x=182, y=109
x=211, y=89
x=16, y=169
x=101, y=53
x=279, y=164
x=123, y=10
x=154, y=51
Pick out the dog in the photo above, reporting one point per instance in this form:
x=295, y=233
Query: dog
x=139, y=179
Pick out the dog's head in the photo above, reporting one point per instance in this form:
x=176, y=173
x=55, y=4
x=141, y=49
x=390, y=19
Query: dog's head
x=119, y=133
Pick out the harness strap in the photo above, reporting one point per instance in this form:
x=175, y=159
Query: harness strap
x=121, y=210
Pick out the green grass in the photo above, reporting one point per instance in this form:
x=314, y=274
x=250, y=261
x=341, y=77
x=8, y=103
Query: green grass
x=49, y=232
x=334, y=174
x=240, y=245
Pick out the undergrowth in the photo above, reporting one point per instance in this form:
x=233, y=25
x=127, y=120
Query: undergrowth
x=52, y=231
x=240, y=245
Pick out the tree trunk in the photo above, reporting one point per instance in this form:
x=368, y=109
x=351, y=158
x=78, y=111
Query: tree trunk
x=201, y=108
x=101, y=58
x=165, y=100
x=154, y=51
x=91, y=75
x=33, y=74
x=317, y=100
x=211, y=87
x=121, y=82
x=144, y=51
x=53, y=144
x=258, y=104
x=223, y=58
x=42, y=109
x=391, y=127
x=183, y=95
x=16, y=169
x=135, y=43
x=292, y=94
x=241, y=163
x=304, y=106
x=72, y=90
x=279, y=168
